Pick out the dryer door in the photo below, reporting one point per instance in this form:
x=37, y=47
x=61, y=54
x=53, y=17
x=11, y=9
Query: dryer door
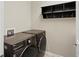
x=30, y=51
x=42, y=45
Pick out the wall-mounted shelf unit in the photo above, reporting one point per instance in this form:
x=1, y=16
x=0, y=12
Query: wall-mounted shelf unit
x=60, y=10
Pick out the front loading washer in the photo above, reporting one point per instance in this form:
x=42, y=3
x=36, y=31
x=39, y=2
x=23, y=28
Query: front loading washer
x=41, y=40
x=20, y=45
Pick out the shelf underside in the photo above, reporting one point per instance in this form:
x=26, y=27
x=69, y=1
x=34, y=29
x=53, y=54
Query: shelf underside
x=59, y=11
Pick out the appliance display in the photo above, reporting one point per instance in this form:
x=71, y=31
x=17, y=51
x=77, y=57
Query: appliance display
x=20, y=45
x=41, y=40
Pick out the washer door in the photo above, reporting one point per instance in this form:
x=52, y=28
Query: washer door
x=30, y=51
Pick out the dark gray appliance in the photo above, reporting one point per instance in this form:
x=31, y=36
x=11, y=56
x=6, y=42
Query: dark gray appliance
x=20, y=45
x=41, y=40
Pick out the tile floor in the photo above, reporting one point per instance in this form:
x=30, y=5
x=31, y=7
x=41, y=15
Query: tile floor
x=48, y=54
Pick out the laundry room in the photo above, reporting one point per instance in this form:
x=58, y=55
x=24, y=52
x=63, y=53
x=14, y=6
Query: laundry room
x=39, y=29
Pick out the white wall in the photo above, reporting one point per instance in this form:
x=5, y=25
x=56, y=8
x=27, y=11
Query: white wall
x=1, y=27
x=60, y=32
x=77, y=28
x=17, y=15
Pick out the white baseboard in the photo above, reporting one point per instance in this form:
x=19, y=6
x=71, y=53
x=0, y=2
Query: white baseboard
x=49, y=54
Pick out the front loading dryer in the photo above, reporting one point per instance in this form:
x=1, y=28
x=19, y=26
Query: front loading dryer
x=41, y=40
x=20, y=45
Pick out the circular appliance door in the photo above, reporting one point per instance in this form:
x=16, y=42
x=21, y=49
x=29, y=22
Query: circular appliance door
x=31, y=51
x=42, y=45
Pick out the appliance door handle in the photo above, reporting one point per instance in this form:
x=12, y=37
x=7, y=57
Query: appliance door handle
x=40, y=43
